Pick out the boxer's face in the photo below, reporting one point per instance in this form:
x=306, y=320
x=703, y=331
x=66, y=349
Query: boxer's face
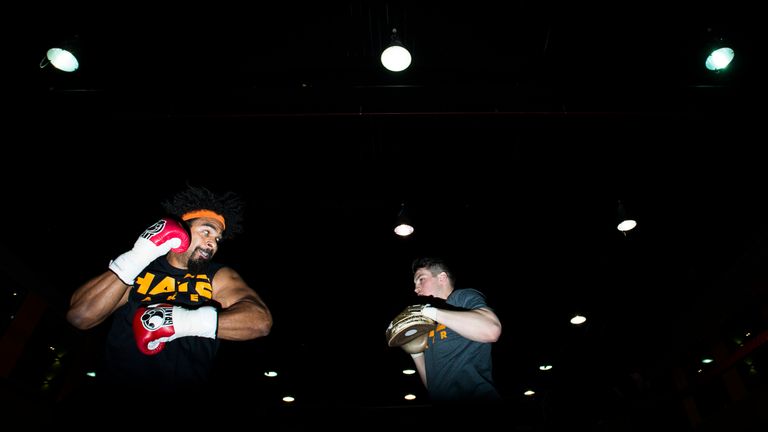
x=206, y=234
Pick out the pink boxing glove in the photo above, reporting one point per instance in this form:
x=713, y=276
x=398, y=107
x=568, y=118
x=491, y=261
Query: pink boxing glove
x=163, y=236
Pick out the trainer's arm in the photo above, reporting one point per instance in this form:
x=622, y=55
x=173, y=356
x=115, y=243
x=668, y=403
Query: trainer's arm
x=479, y=325
x=421, y=366
x=244, y=315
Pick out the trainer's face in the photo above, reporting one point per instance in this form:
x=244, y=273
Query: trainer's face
x=206, y=234
x=425, y=283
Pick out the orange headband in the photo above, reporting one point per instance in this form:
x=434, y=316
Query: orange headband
x=204, y=213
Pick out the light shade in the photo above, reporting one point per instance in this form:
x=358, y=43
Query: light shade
x=395, y=57
x=64, y=55
x=62, y=59
x=625, y=222
x=403, y=226
x=719, y=59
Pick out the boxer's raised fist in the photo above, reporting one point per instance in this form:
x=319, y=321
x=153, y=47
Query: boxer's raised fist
x=164, y=235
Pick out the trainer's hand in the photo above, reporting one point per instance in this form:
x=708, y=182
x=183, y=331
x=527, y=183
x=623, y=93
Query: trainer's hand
x=165, y=235
x=419, y=310
x=415, y=346
x=155, y=325
x=429, y=312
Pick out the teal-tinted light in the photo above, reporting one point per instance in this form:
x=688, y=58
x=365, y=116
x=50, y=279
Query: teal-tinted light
x=62, y=59
x=719, y=59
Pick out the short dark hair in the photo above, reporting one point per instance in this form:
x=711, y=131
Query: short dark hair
x=434, y=265
x=228, y=204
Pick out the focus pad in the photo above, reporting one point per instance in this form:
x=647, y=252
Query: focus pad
x=408, y=325
x=416, y=345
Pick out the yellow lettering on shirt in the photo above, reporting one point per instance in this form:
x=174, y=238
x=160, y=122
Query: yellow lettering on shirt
x=151, y=286
x=204, y=289
x=167, y=285
x=441, y=330
x=144, y=283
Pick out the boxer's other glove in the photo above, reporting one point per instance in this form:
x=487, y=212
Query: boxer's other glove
x=157, y=324
x=165, y=235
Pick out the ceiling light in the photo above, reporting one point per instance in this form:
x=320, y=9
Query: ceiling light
x=396, y=57
x=578, y=319
x=719, y=51
x=403, y=226
x=625, y=221
x=719, y=59
x=63, y=56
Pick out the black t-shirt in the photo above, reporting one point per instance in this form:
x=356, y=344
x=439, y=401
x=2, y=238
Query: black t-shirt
x=184, y=363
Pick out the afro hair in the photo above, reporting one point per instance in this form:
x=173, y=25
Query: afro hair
x=228, y=204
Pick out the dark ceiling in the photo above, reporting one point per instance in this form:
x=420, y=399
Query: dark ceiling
x=511, y=138
x=316, y=58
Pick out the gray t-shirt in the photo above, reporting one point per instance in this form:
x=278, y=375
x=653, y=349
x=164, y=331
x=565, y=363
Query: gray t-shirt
x=459, y=369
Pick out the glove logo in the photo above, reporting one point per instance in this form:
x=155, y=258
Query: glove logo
x=154, y=229
x=155, y=318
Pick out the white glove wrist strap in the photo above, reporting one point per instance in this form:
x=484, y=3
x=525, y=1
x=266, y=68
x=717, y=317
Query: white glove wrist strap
x=199, y=322
x=128, y=265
